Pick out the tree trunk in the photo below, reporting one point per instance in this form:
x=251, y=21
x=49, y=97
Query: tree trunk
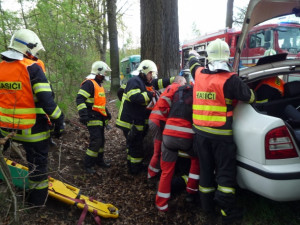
x=229, y=15
x=160, y=35
x=114, y=49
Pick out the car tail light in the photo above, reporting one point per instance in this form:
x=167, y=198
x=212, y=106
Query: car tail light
x=279, y=145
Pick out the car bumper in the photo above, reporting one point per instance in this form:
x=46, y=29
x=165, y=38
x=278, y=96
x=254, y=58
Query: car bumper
x=275, y=182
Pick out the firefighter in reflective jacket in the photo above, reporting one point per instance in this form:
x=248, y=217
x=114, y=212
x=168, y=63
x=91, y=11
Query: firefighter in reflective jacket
x=133, y=113
x=25, y=99
x=157, y=119
x=215, y=90
x=178, y=134
x=91, y=106
x=270, y=88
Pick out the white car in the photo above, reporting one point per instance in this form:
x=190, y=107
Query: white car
x=267, y=138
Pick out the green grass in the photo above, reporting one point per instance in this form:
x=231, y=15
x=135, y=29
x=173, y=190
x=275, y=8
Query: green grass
x=262, y=211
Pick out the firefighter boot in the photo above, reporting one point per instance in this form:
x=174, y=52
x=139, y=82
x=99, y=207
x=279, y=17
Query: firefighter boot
x=37, y=197
x=89, y=163
x=137, y=168
x=192, y=198
x=231, y=215
x=101, y=162
x=177, y=185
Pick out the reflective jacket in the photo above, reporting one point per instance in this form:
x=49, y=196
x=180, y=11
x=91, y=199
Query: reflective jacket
x=179, y=122
x=99, y=98
x=232, y=89
x=34, y=99
x=269, y=89
x=91, y=100
x=17, y=108
x=210, y=106
x=135, y=99
x=162, y=107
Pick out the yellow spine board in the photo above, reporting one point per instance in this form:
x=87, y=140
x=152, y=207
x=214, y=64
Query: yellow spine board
x=71, y=195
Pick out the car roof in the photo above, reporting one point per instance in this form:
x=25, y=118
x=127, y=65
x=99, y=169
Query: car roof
x=259, y=11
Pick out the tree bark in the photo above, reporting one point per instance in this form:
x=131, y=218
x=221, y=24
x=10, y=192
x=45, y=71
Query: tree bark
x=160, y=35
x=114, y=48
x=229, y=14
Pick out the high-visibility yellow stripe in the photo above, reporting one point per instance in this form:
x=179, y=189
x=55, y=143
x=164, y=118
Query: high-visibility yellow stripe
x=29, y=137
x=91, y=153
x=213, y=130
x=226, y=190
x=84, y=93
x=206, y=190
x=56, y=113
x=41, y=87
x=210, y=108
x=38, y=184
x=13, y=120
x=160, y=84
x=210, y=118
x=99, y=106
x=18, y=111
x=95, y=123
x=228, y=101
x=81, y=106
x=133, y=92
x=146, y=97
x=39, y=111
x=262, y=101
x=172, y=79
x=135, y=160
x=252, y=97
x=185, y=178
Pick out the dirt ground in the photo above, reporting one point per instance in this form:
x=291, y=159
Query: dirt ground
x=130, y=194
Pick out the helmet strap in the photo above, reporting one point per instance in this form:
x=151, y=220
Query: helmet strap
x=143, y=77
x=30, y=56
x=99, y=78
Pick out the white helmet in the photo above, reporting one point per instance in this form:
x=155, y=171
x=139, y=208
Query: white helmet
x=99, y=68
x=218, y=50
x=147, y=66
x=26, y=42
x=270, y=52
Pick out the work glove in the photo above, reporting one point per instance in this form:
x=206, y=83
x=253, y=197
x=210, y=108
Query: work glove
x=151, y=94
x=194, y=53
x=84, y=119
x=59, y=126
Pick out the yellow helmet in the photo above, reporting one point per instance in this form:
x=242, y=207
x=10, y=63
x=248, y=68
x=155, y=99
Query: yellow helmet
x=218, y=50
x=26, y=42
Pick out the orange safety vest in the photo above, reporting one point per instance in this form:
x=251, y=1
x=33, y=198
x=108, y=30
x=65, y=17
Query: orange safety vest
x=209, y=105
x=99, y=98
x=274, y=82
x=17, y=108
x=41, y=64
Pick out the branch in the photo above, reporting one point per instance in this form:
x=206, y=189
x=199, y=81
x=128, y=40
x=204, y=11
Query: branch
x=7, y=177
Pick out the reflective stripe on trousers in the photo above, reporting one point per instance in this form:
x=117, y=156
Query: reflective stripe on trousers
x=164, y=188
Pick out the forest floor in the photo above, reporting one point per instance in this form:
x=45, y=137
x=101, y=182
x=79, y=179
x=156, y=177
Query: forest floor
x=131, y=194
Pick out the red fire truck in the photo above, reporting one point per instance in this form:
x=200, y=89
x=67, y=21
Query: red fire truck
x=281, y=37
